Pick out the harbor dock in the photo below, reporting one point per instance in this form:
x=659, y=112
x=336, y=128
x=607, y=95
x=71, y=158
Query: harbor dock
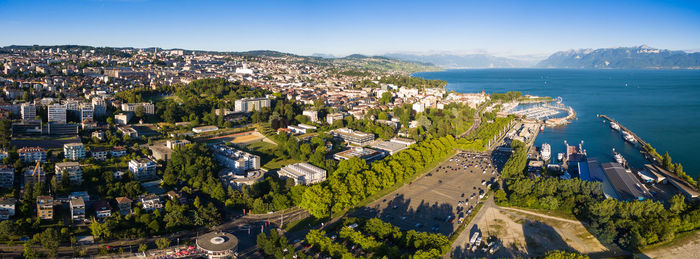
x=656, y=167
x=548, y=113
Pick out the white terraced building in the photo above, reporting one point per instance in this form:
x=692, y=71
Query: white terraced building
x=148, y=108
x=303, y=173
x=235, y=159
x=352, y=136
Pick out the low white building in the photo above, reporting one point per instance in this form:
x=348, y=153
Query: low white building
x=142, y=168
x=122, y=118
x=238, y=179
x=388, y=147
x=7, y=207
x=296, y=129
x=102, y=209
x=205, y=129
x=418, y=107
x=118, y=151
x=151, y=202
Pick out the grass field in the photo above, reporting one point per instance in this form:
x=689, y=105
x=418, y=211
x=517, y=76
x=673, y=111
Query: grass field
x=279, y=163
x=266, y=151
x=262, y=147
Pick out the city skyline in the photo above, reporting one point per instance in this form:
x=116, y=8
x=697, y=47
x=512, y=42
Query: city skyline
x=309, y=27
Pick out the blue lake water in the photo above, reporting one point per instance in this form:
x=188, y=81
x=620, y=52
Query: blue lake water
x=661, y=106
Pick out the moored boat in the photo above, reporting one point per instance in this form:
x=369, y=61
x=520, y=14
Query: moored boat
x=546, y=152
x=628, y=137
x=614, y=125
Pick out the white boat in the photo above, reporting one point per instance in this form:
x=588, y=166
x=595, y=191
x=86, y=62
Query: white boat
x=546, y=152
x=614, y=126
x=627, y=136
x=618, y=158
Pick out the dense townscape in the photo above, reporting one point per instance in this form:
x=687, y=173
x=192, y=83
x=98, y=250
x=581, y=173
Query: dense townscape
x=104, y=144
x=178, y=153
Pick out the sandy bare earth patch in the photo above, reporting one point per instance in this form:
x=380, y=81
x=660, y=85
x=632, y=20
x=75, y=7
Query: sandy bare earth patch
x=530, y=234
x=687, y=247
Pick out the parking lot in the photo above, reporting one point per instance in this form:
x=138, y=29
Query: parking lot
x=438, y=200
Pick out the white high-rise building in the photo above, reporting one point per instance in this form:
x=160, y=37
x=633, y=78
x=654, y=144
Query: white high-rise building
x=57, y=113
x=313, y=115
x=251, y=104
x=28, y=111
x=74, y=151
x=71, y=170
x=99, y=106
x=418, y=107
x=86, y=112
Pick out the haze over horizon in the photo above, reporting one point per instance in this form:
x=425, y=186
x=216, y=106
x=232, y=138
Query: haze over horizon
x=505, y=28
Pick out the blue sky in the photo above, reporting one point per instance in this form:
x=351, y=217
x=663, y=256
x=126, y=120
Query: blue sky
x=504, y=28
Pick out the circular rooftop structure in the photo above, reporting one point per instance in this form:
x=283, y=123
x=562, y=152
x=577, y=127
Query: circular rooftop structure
x=218, y=243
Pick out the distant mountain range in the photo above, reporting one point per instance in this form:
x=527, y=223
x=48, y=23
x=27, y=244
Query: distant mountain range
x=323, y=55
x=463, y=61
x=642, y=57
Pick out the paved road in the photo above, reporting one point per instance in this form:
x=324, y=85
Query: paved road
x=477, y=122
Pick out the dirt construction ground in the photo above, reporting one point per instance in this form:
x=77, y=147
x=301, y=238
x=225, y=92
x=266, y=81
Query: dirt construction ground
x=527, y=234
x=688, y=247
x=250, y=138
